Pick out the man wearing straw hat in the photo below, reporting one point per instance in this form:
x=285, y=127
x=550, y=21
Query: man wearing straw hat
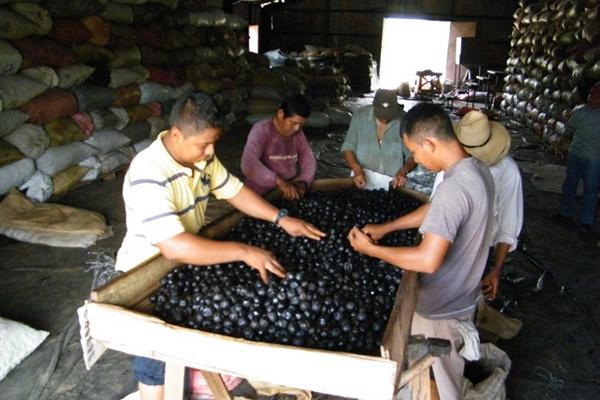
x=489, y=141
x=456, y=227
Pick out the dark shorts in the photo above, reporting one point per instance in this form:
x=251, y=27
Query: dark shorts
x=148, y=371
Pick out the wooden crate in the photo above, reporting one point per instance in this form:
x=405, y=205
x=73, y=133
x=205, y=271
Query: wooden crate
x=118, y=317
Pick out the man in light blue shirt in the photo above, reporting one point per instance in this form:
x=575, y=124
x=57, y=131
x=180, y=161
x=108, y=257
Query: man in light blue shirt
x=584, y=161
x=373, y=147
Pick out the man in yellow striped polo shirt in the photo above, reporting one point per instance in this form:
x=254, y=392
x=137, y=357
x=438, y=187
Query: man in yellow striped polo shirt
x=166, y=193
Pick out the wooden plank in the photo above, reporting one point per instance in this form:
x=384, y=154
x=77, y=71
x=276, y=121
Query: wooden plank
x=135, y=285
x=423, y=198
x=394, y=345
x=332, y=184
x=416, y=369
x=216, y=385
x=174, y=380
x=355, y=375
x=420, y=386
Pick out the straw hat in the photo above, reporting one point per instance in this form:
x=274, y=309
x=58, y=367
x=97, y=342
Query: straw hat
x=486, y=140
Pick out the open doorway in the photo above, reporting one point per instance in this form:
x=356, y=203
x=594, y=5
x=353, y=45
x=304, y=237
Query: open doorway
x=253, y=38
x=411, y=45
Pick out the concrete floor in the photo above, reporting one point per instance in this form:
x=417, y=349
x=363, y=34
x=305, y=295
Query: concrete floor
x=556, y=355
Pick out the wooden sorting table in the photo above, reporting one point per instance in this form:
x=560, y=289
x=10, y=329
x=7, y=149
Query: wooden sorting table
x=118, y=316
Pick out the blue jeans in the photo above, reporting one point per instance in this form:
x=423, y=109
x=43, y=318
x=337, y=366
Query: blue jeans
x=151, y=372
x=589, y=172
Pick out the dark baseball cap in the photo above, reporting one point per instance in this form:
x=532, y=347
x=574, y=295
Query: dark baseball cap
x=385, y=105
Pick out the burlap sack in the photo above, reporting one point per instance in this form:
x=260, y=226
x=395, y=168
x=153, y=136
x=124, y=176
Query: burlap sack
x=11, y=120
x=151, y=56
x=10, y=58
x=16, y=90
x=126, y=56
x=153, y=35
x=15, y=174
x=120, y=13
x=91, y=97
x=36, y=14
x=40, y=50
x=50, y=105
x=137, y=131
x=30, y=139
x=99, y=28
x=115, y=118
x=127, y=95
x=151, y=91
x=167, y=76
x=63, y=131
x=74, y=75
x=9, y=153
x=127, y=76
x=139, y=112
x=92, y=54
x=15, y=26
x=85, y=122
x=68, y=179
x=73, y=8
x=69, y=31
x=50, y=224
x=43, y=74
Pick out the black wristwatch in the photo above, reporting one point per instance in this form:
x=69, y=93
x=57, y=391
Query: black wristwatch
x=280, y=214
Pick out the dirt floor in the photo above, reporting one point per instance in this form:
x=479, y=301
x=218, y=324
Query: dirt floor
x=550, y=284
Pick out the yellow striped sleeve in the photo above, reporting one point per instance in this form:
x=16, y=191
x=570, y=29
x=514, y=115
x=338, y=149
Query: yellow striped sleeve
x=222, y=184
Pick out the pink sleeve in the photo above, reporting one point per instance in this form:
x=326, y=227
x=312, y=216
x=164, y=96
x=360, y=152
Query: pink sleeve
x=252, y=167
x=306, y=159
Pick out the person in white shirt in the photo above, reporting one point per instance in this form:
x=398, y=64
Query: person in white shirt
x=491, y=146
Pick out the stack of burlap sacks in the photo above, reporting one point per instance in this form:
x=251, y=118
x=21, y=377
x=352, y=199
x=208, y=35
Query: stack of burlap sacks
x=324, y=86
x=553, y=60
x=85, y=85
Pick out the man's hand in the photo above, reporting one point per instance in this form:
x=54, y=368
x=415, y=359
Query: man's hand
x=399, y=179
x=289, y=190
x=263, y=261
x=491, y=282
x=300, y=188
x=374, y=231
x=359, y=179
x=297, y=227
x=359, y=240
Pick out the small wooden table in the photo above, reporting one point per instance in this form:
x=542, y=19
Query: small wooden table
x=429, y=82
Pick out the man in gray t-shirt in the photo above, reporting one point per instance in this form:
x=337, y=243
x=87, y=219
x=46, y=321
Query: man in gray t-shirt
x=456, y=228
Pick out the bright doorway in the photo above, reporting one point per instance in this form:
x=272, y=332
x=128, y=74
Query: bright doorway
x=253, y=38
x=411, y=45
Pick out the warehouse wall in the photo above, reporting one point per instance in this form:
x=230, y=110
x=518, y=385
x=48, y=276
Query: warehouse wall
x=85, y=85
x=335, y=23
x=554, y=59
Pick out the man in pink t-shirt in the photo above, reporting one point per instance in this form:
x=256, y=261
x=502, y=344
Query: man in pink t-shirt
x=277, y=154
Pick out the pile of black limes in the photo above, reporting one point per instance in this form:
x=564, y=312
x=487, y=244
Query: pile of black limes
x=332, y=297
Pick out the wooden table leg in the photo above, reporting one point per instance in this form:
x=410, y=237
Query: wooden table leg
x=420, y=387
x=174, y=381
x=216, y=385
